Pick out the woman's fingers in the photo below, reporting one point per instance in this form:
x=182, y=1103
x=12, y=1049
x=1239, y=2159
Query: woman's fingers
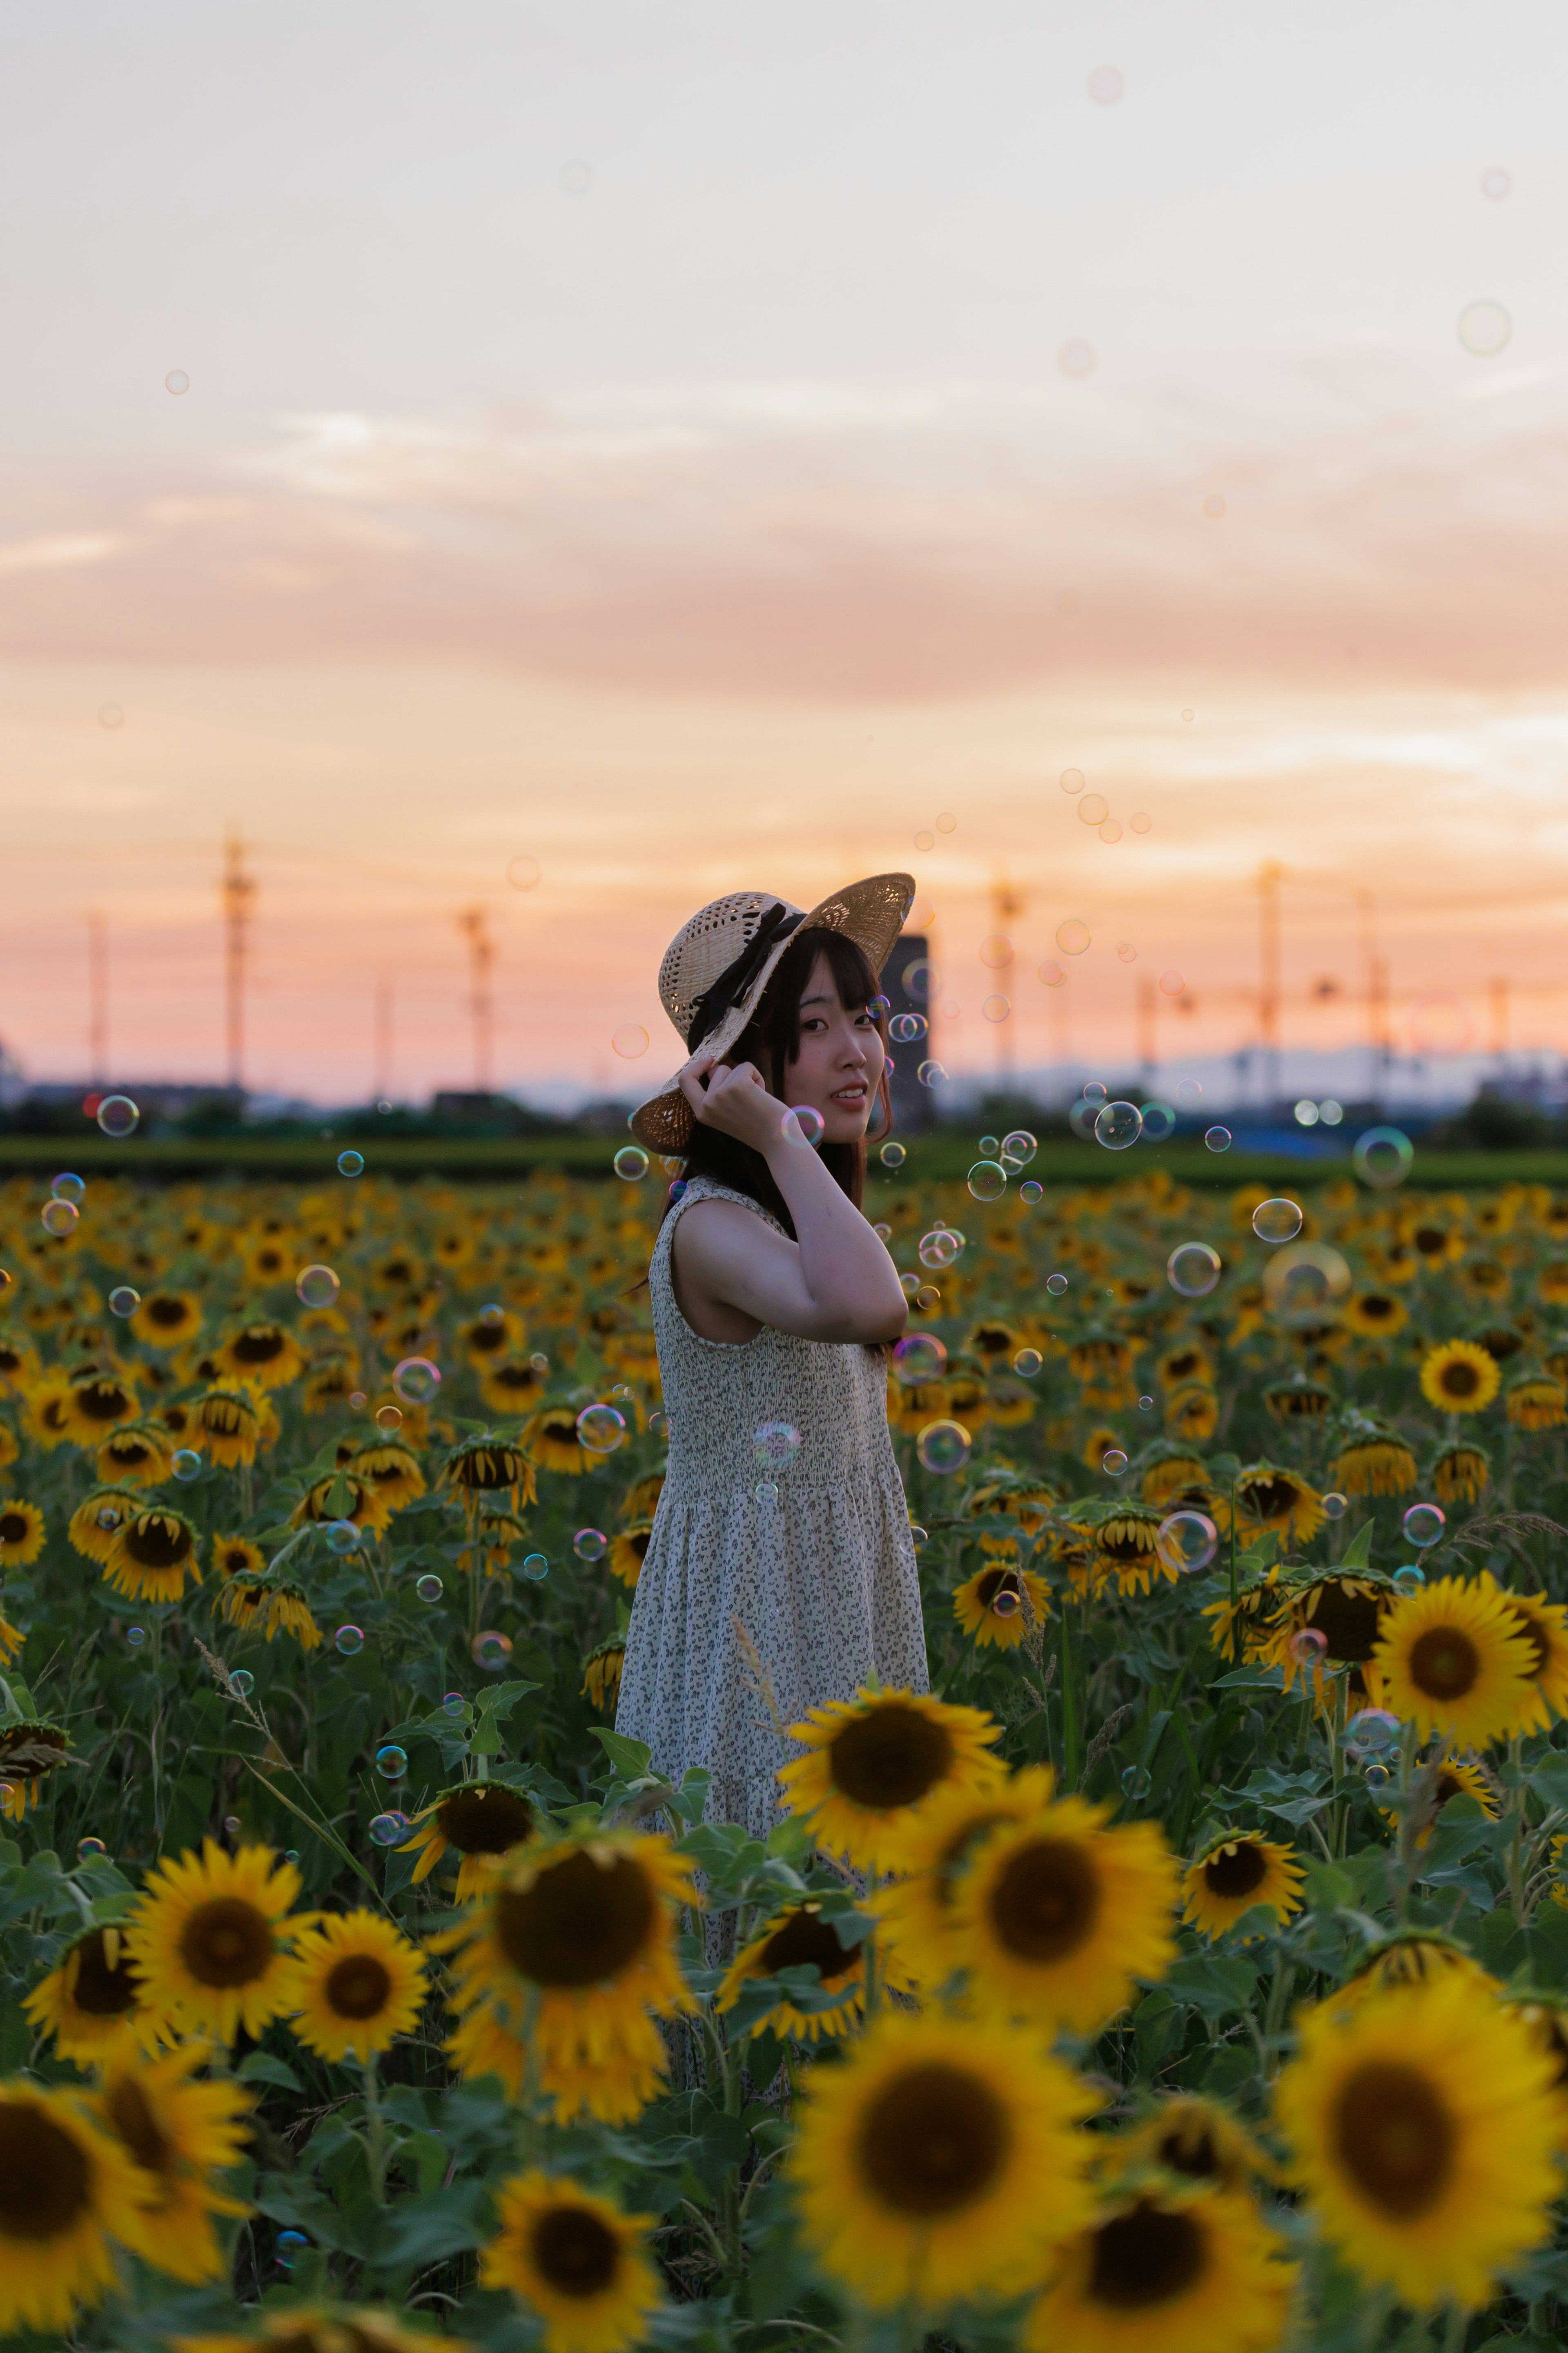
x=690, y=1082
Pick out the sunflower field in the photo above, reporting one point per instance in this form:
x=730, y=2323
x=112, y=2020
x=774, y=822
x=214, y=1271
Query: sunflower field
x=1188, y=1973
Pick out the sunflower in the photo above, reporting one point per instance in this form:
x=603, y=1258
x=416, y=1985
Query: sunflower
x=1298, y=1399
x=1126, y=1537
x=1535, y=1401
x=30, y=1750
x=153, y=1554
x=1376, y=1314
x=391, y=1469
x=137, y=1451
x=232, y=1554
x=94, y=1403
x=579, y=1936
x=483, y=1820
x=487, y=1465
x=1196, y=2138
x=1545, y=2020
x=1455, y=1662
x=66, y=2189
x=940, y=2160
x=1027, y=1500
x=1460, y=1378
x=551, y=1438
x=1168, y=1469
x=10, y=1446
x=1460, y=1472
x=264, y=1354
x=793, y=1936
x=208, y=1939
x=323, y=2328
x=576, y=2260
x=91, y=2003
x=227, y=1423
x=1449, y=1778
x=355, y=1984
x=1373, y=1459
x=916, y=1909
x=18, y=1364
x=1237, y=1870
x=166, y=1319
x=628, y=1550
x=1423, y=2124
x=364, y=1509
x=1237, y=1632
x=1180, y=2270
x=256, y=1601
x=1056, y=1918
x=177, y=2134
x=1544, y=1625
x=1407, y=1959
x=1192, y=1412
x=1268, y=1498
x=989, y=1605
x=873, y=1761
x=640, y=1501
x=602, y=1672
x=21, y=1533
x=514, y=1386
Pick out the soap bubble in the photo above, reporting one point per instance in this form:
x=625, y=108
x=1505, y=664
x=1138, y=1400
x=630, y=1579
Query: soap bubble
x=995, y=950
x=68, y=1187
x=1145, y=1405
x=1423, y=1525
x=1309, y=1646
x=343, y=1537
x=392, y=1762
x=1136, y=1781
x=919, y=1359
x=1110, y=831
x=630, y=1162
x=1094, y=1091
x=453, y=1704
x=1007, y=1602
x=1335, y=1506
x=775, y=1445
x=1056, y=1284
x=176, y=381
x=1113, y=1462
x=1375, y=1776
x=1193, y=1269
x=1159, y=1122
x=1072, y=937
x=108, y=1517
x=938, y=1249
x=767, y=1492
x=1382, y=1157
x=1485, y=328
x=241, y=1682
x=291, y=2243
x=932, y=1074
x=535, y=1568
x=351, y=1164
x=629, y=1042
x=88, y=1847
x=1218, y=1139
x=123, y=1300
x=491, y=1650
x=600, y=1428
x=893, y=1156
x=1125, y=952
x=1371, y=1732
x=943, y=1446
x=1027, y=1363
x=1052, y=974
x=1172, y=983
x=1409, y=1580
x=918, y=1535
x=350, y=1641
x=1189, y=1091
x=988, y=1180
x=416, y=1379
x=185, y=1464
x=1304, y=1282
x=59, y=1217
x=117, y=1115
x=991, y=1145
x=947, y=822
x=1186, y=1540
x=1117, y=1125
x=590, y=1544
x=1073, y=780
x=803, y=1124
x=389, y=1830
x=1141, y=821
x=996, y=1009
x=925, y=840
x=523, y=872
x=136, y=1636
x=1093, y=809
x=1277, y=1221
x=316, y=1286
x=904, y=1028
x=1031, y=1193
x=1020, y=1145
x=429, y=1588
x=388, y=1417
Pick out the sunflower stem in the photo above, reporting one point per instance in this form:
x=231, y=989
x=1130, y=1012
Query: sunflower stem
x=1069, y=1709
x=375, y=2127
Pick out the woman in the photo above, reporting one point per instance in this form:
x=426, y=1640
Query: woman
x=781, y=1572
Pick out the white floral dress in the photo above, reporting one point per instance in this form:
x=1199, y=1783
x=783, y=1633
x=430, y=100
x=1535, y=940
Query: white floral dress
x=822, y=1577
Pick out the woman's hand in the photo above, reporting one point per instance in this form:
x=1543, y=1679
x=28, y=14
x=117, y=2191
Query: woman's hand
x=734, y=1101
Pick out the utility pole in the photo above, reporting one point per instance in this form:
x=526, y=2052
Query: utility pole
x=1148, y=1043
x=238, y=895
x=381, y=1055
x=1006, y=905
x=474, y=924
x=1268, y=880
x=97, y=1001
x=1496, y=993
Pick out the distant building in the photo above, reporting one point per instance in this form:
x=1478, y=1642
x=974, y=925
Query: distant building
x=905, y=985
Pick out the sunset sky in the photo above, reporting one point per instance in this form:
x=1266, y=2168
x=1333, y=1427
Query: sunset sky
x=696, y=447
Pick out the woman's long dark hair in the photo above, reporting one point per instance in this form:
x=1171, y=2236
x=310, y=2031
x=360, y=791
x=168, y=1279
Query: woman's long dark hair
x=771, y=1040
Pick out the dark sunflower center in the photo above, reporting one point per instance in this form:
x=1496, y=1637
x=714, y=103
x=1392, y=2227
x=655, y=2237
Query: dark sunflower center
x=1377, y=1309
x=235, y=1559
x=46, y=2184
x=224, y=1415
x=137, y=2126
x=1460, y=1379
x=102, y=1400
x=260, y=1345
x=892, y=1756
x=1146, y=2257
x=1127, y=1540
x=158, y=1542
x=488, y=1470
x=1234, y=1873
x=485, y=1825
x=807, y=1937
x=1045, y=1900
x=1444, y=1663
x=227, y=1942
x=166, y=1312
x=357, y=1986
x=995, y=1581
x=1191, y=2150
x=99, y=1990
x=1533, y=1635
x=1395, y=2137
x=1348, y=1620
x=1449, y=1786
x=1182, y=1367
x=10, y=1360
x=1269, y=1499
x=14, y=1527
x=130, y=1451
x=934, y=2140
x=484, y=1339
x=515, y=1377
x=576, y=2252
x=579, y=1924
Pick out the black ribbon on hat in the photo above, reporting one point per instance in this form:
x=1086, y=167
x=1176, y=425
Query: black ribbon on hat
x=709, y=1009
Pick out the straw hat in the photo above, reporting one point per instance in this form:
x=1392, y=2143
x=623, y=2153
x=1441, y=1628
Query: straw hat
x=717, y=967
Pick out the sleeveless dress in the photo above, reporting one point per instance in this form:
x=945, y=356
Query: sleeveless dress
x=823, y=1579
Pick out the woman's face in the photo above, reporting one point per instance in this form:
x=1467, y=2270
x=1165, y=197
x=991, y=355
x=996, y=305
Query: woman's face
x=839, y=1062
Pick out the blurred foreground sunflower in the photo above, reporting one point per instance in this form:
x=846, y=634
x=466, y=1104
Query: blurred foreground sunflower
x=208, y=1940
x=575, y=2260
x=481, y=1821
x=91, y=2001
x=177, y=2134
x=66, y=2190
x=1187, y=2270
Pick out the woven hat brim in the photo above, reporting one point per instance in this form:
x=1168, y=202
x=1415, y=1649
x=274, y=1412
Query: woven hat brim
x=871, y=913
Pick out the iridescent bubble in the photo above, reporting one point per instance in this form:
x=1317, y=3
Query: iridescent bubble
x=1423, y=1525
x=1020, y=1144
x=416, y=1379
x=1193, y=1269
x=241, y=1682
x=123, y=1300
x=316, y=1286
x=1126, y=952
x=991, y=1146
x=350, y=1641
x=590, y=1544
x=938, y=1249
x=1007, y=1602
x=453, y=1704
x=1382, y=1157
x=429, y=1588
x=68, y=1187
x=943, y=1446
x=389, y=1416
x=1277, y=1221
x=918, y=1536
x=535, y=1567
x=1141, y=821
x=351, y=1164
x=775, y=1445
x=491, y=1650
x=1072, y=937
x=1093, y=809
x=1309, y=1646
x=904, y=1028
x=392, y=1762
x=59, y=1217
x=1485, y=328
x=988, y=1180
x=1409, y=1580
x=1136, y=1782
x=880, y=1005
x=343, y=1537
x=995, y=950
x=996, y=1007
x=1335, y=1506
x=1052, y=974
x=357, y=1400
x=136, y=1636
x=1304, y=1282
x=390, y=1829
x=1073, y=780
x=630, y=1162
x=804, y=1124
x=600, y=1428
x=1159, y=1122
x=1105, y=85
x=1113, y=1462
x=629, y=1042
x=232, y=1824
x=947, y=822
x=892, y=1156
x=185, y=1462
x=1218, y=1139
x=1094, y=1091
x=1027, y=1363
x=1109, y=831
x=767, y=1492
x=1172, y=984
x=1186, y=1541
x=108, y=1517
x=291, y=2245
x=1056, y=1284
x=1117, y=1125
x=1371, y=1732
x=1376, y=1776
x=919, y=1359
x=117, y=1115
x=523, y=872
x=1189, y=1091
x=1031, y=1193
x=88, y=1847
x=1188, y=714
x=925, y=841
x=1145, y=1405
x=176, y=381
